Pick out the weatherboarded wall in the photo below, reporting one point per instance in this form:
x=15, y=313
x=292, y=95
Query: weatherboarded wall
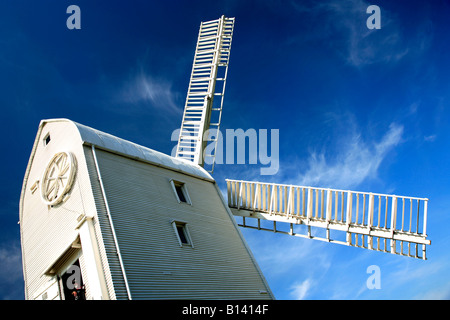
x=143, y=205
x=48, y=231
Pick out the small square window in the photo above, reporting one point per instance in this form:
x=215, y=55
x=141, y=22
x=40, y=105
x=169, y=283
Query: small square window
x=182, y=233
x=47, y=139
x=180, y=191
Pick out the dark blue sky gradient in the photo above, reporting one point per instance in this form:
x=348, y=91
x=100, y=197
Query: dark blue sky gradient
x=343, y=97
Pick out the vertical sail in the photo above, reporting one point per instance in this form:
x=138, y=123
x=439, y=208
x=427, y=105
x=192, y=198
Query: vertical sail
x=204, y=102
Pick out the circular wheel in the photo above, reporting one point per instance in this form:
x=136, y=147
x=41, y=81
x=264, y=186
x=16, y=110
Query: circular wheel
x=58, y=177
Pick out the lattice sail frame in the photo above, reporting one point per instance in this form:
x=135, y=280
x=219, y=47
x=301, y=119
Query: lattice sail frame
x=204, y=102
x=372, y=221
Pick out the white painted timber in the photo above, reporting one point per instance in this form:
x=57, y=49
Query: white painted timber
x=388, y=223
x=116, y=219
x=94, y=271
x=204, y=101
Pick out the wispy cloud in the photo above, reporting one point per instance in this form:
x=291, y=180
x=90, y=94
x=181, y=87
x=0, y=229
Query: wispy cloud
x=300, y=290
x=440, y=293
x=280, y=255
x=153, y=92
x=357, y=161
x=341, y=24
x=11, y=276
x=430, y=138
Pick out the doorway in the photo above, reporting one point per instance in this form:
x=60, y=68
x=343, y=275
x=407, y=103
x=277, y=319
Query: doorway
x=71, y=283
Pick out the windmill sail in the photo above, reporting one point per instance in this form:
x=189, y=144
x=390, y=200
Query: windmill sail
x=388, y=223
x=204, y=102
x=380, y=222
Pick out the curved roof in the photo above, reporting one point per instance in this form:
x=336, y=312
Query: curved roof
x=117, y=145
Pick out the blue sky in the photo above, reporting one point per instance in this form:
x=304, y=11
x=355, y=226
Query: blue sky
x=359, y=109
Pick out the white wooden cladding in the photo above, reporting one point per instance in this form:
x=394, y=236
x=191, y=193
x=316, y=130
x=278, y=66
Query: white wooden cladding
x=47, y=232
x=142, y=206
x=381, y=222
x=208, y=79
x=122, y=193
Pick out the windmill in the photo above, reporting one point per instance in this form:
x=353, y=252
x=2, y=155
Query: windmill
x=105, y=218
x=381, y=222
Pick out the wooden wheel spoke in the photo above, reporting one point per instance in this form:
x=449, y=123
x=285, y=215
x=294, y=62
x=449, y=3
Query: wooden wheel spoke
x=58, y=178
x=64, y=170
x=50, y=189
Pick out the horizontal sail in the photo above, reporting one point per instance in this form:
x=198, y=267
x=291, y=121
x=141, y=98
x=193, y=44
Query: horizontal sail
x=388, y=223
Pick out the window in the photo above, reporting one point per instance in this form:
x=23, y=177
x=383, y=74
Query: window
x=182, y=233
x=47, y=139
x=180, y=191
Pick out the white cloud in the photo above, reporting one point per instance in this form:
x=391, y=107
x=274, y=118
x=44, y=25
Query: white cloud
x=430, y=138
x=156, y=93
x=290, y=263
x=300, y=290
x=11, y=275
x=441, y=293
x=358, y=161
x=342, y=25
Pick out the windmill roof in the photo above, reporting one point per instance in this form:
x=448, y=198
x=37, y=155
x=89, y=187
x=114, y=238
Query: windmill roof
x=130, y=149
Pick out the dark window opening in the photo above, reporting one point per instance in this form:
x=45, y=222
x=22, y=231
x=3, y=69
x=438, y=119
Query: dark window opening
x=182, y=232
x=180, y=193
x=47, y=139
x=182, y=235
x=72, y=283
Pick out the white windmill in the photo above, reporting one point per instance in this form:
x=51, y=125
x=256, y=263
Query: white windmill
x=105, y=218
